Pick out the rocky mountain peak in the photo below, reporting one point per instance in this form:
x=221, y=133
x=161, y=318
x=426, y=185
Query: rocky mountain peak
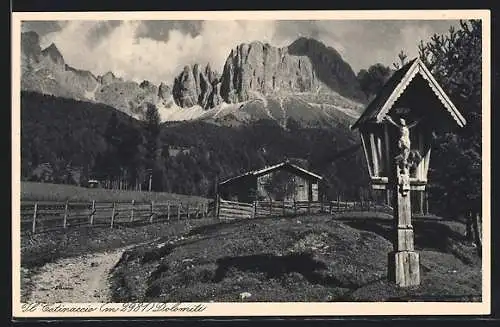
x=305, y=66
x=164, y=91
x=146, y=84
x=195, y=86
x=54, y=54
x=265, y=69
x=304, y=45
x=30, y=50
x=212, y=75
x=108, y=78
x=258, y=69
x=30, y=45
x=329, y=67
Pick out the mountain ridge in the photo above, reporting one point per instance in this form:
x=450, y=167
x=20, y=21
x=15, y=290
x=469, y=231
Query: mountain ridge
x=253, y=72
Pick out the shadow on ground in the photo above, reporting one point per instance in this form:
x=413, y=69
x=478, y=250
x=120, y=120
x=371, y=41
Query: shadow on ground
x=430, y=234
x=380, y=226
x=278, y=266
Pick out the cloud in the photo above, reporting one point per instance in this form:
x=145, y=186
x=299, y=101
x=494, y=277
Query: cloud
x=158, y=50
x=158, y=29
x=128, y=52
x=41, y=27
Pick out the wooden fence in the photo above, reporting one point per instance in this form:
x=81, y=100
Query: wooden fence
x=228, y=210
x=47, y=216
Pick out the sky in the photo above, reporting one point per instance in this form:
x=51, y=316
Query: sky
x=158, y=50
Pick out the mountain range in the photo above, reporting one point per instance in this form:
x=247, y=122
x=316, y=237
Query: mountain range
x=306, y=81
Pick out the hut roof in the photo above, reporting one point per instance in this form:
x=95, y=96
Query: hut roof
x=266, y=170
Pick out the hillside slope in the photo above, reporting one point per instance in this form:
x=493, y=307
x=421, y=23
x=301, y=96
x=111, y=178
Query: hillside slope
x=296, y=259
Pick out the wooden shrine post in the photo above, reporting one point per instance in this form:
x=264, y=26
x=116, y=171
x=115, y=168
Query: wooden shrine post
x=403, y=262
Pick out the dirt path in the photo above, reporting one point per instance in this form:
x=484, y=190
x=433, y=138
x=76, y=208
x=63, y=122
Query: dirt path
x=79, y=279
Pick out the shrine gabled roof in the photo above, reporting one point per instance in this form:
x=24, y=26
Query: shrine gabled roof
x=395, y=87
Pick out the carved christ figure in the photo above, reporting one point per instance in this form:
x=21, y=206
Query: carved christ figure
x=404, y=152
x=404, y=138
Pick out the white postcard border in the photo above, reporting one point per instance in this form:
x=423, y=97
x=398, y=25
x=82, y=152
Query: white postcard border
x=262, y=308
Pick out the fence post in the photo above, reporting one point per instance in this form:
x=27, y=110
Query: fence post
x=254, y=212
x=295, y=207
x=331, y=207
x=479, y=223
x=92, y=213
x=187, y=211
x=270, y=207
x=427, y=203
x=284, y=211
x=132, y=211
x=33, y=227
x=113, y=215
x=152, y=212
x=65, y=222
x=216, y=204
x=168, y=211
x=476, y=229
x=179, y=211
x=338, y=202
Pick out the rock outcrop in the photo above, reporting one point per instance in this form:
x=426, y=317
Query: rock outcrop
x=195, y=86
x=53, y=53
x=45, y=71
x=164, y=91
x=304, y=66
x=259, y=69
x=329, y=67
x=109, y=78
x=262, y=68
x=31, y=50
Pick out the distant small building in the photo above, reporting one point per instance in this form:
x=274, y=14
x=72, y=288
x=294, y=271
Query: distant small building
x=174, y=151
x=92, y=183
x=284, y=181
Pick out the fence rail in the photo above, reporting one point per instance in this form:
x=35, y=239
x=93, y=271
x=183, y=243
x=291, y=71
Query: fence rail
x=228, y=210
x=45, y=216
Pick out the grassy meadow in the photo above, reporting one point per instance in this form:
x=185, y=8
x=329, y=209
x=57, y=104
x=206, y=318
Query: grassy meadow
x=32, y=191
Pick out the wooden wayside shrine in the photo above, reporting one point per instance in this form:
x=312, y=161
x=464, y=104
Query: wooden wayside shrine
x=396, y=130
